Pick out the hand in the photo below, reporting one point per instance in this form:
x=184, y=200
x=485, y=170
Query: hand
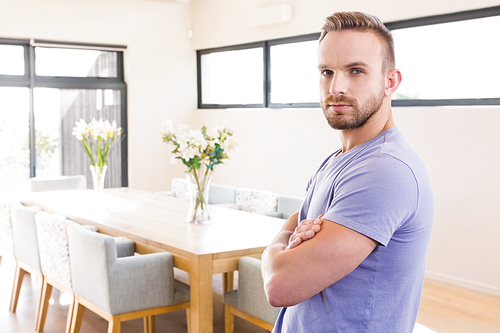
x=306, y=230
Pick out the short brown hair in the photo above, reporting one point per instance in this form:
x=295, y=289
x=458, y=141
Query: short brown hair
x=360, y=21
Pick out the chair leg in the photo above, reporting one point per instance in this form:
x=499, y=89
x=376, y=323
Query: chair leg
x=188, y=319
x=16, y=288
x=43, y=305
x=228, y=319
x=114, y=325
x=76, y=322
x=71, y=311
x=149, y=324
x=227, y=281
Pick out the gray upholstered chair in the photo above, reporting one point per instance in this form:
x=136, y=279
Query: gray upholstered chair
x=289, y=205
x=6, y=240
x=55, y=261
x=120, y=289
x=78, y=182
x=249, y=301
x=25, y=248
x=221, y=194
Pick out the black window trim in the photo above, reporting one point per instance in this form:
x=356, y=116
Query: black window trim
x=31, y=81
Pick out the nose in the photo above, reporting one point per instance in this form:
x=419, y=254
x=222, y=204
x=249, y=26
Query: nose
x=337, y=84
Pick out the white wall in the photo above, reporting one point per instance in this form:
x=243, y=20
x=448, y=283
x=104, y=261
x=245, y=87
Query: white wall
x=160, y=62
x=279, y=149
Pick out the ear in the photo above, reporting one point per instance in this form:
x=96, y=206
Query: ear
x=392, y=81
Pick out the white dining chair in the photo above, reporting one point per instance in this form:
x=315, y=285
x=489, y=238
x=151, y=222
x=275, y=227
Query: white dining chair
x=6, y=239
x=78, y=182
x=25, y=249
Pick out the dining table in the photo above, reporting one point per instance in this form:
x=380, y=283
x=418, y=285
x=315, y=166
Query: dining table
x=157, y=222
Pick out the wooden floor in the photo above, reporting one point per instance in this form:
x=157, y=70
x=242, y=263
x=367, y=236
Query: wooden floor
x=444, y=309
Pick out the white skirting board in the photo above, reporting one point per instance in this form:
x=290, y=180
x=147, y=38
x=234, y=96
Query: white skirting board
x=485, y=288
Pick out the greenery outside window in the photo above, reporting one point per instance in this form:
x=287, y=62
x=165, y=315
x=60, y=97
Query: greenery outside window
x=42, y=100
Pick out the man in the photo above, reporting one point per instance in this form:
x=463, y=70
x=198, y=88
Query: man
x=356, y=262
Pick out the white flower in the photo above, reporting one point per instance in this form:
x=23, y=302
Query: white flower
x=184, y=128
x=198, y=139
x=167, y=127
x=218, y=129
x=80, y=130
x=188, y=153
x=184, y=138
x=228, y=144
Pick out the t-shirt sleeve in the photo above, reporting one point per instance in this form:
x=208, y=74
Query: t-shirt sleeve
x=374, y=197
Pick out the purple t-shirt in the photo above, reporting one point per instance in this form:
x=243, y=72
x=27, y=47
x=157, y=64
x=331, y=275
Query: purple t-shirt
x=380, y=189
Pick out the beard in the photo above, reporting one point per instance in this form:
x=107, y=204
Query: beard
x=360, y=113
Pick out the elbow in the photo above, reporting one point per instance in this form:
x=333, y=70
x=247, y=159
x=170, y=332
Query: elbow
x=277, y=296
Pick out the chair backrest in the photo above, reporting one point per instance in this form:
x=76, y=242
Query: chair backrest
x=251, y=295
x=24, y=235
x=288, y=205
x=6, y=239
x=53, y=247
x=180, y=188
x=117, y=285
x=91, y=254
x=78, y=182
x=257, y=201
x=221, y=194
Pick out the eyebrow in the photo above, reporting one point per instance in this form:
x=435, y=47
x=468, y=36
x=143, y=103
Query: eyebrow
x=349, y=65
x=356, y=64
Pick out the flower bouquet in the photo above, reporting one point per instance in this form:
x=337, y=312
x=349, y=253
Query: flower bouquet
x=97, y=138
x=200, y=153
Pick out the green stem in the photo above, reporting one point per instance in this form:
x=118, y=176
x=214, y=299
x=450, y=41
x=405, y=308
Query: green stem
x=199, y=203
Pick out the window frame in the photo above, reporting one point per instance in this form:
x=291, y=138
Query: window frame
x=31, y=80
x=266, y=46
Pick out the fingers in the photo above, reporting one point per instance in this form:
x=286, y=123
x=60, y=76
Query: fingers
x=306, y=230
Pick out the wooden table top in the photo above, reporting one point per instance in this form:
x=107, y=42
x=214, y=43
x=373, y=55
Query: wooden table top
x=160, y=221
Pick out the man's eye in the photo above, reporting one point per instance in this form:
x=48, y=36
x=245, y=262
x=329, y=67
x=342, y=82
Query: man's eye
x=327, y=72
x=356, y=71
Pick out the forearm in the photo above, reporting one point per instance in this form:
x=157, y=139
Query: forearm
x=271, y=263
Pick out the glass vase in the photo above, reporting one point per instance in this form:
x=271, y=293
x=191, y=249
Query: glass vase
x=199, y=186
x=98, y=175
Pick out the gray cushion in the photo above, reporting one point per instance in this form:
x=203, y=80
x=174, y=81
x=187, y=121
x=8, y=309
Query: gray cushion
x=250, y=296
x=289, y=205
x=121, y=285
x=221, y=194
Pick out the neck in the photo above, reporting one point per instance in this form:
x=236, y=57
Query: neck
x=380, y=122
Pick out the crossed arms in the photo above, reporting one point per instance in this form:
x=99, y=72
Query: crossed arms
x=294, y=273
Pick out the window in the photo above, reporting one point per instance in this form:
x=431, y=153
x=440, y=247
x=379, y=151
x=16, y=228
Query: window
x=449, y=59
x=276, y=74
x=233, y=77
x=40, y=101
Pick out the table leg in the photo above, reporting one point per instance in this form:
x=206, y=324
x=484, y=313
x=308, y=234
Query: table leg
x=201, y=294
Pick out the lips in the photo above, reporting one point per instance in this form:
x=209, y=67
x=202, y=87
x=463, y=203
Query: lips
x=339, y=107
